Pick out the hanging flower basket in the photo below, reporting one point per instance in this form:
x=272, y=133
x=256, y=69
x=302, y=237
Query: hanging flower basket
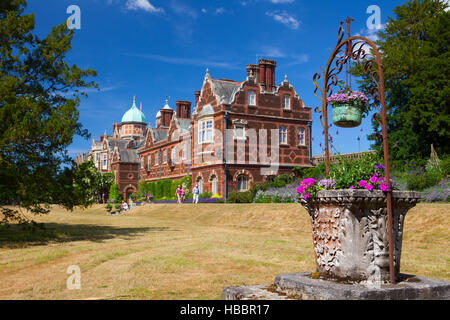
x=348, y=107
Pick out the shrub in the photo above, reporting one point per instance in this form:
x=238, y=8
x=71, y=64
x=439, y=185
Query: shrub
x=204, y=195
x=281, y=181
x=114, y=194
x=240, y=197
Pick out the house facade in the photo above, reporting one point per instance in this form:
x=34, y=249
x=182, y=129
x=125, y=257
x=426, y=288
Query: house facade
x=236, y=134
x=239, y=133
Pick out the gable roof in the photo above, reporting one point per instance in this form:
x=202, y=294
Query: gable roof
x=225, y=90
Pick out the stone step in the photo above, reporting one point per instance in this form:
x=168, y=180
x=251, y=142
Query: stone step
x=301, y=286
x=255, y=292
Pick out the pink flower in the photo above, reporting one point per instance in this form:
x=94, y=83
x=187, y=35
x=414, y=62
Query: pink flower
x=374, y=179
x=384, y=187
x=362, y=183
x=369, y=187
x=306, y=196
x=300, y=189
x=351, y=187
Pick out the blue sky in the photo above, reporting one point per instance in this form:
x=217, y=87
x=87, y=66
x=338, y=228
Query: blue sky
x=161, y=48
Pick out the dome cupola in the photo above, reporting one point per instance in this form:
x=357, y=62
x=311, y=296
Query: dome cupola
x=134, y=114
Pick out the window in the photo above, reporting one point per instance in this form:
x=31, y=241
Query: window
x=165, y=156
x=200, y=185
x=242, y=183
x=105, y=158
x=214, y=185
x=251, y=98
x=149, y=161
x=184, y=155
x=96, y=157
x=286, y=101
x=283, y=135
x=205, y=131
x=239, y=132
x=156, y=158
x=173, y=155
x=301, y=137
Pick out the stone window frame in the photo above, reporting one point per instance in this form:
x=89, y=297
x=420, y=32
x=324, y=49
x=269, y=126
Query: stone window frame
x=251, y=102
x=242, y=124
x=303, y=144
x=149, y=161
x=156, y=158
x=242, y=177
x=281, y=134
x=288, y=100
x=164, y=159
x=203, y=128
x=173, y=154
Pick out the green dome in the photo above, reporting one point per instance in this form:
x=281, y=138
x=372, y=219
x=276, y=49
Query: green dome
x=134, y=114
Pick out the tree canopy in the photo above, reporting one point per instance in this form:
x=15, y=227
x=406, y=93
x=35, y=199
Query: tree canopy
x=39, y=96
x=416, y=62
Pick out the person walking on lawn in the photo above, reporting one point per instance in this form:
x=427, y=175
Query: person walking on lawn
x=183, y=194
x=178, y=194
x=195, y=192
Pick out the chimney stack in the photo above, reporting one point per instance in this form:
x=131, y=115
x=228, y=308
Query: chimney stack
x=166, y=117
x=266, y=73
x=197, y=96
x=183, y=109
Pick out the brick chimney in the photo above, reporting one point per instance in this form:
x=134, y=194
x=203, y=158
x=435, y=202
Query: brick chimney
x=197, y=96
x=253, y=68
x=183, y=109
x=166, y=117
x=266, y=74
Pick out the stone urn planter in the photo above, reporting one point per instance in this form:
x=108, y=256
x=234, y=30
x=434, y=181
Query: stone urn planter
x=350, y=236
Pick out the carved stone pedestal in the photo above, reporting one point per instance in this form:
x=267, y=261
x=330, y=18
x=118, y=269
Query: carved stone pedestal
x=350, y=236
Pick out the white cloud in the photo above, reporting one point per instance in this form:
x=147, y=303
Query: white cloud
x=283, y=17
x=183, y=10
x=204, y=10
x=281, y=1
x=219, y=10
x=142, y=5
x=186, y=61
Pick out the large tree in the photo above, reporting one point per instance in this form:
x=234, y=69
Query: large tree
x=416, y=61
x=39, y=96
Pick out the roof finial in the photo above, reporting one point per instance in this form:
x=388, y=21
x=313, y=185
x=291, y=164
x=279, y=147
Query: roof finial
x=207, y=75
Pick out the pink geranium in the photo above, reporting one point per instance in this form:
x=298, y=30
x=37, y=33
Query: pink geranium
x=351, y=187
x=384, y=187
x=369, y=187
x=373, y=179
x=306, y=196
x=362, y=183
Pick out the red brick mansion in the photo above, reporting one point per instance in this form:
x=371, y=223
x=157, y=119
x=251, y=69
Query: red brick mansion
x=239, y=133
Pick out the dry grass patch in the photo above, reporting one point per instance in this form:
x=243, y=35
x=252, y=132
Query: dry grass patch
x=167, y=251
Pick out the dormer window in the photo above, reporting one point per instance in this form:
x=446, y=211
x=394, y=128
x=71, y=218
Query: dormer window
x=251, y=98
x=286, y=101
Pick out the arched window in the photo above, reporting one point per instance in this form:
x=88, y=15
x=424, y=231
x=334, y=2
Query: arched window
x=242, y=183
x=214, y=185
